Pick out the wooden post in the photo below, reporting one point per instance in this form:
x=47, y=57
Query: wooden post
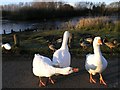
x=57, y=28
x=4, y=31
x=50, y=28
x=16, y=40
x=11, y=30
x=36, y=29
x=20, y=30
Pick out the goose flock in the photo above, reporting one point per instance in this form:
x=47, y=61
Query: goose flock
x=61, y=61
x=60, y=64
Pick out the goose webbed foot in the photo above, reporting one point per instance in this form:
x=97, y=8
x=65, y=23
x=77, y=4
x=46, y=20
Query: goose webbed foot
x=51, y=81
x=102, y=81
x=41, y=83
x=91, y=79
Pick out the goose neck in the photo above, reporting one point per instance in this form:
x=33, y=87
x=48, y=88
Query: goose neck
x=64, y=43
x=97, y=50
x=58, y=70
x=62, y=71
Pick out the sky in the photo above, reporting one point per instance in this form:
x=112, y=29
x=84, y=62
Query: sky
x=3, y=2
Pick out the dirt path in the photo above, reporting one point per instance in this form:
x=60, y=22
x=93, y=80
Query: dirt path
x=17, y=73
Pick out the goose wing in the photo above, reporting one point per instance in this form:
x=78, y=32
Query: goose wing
x=61, y=58
x=42, y=67
x=90, y=64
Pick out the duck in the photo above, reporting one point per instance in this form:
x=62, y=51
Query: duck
x=111, y=45
x=6, y=46
x=42, y=67
x=96, y=63
x=115, y=42
x=51, y=47
x=89, y=39
x=59, y=40
x=62, y=56
x=84, y=44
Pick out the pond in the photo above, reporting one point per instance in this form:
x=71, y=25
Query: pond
x=17, y=26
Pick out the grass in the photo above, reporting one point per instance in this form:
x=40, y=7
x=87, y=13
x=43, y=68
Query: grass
x=36, y=42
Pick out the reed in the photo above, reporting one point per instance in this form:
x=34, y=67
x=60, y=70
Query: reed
x=97, y=22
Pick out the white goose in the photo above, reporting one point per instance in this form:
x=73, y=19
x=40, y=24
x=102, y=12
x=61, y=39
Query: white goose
x=96, y=63
x=7, y=46
x=42, y=67
x=62, y=57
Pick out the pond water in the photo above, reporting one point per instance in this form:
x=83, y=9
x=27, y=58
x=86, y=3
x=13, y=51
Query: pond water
x=8, y=25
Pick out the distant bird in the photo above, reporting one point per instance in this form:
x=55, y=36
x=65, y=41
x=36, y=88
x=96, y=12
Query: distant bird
x=42, y=67
x=111, y=44
x=51, y=47
x=90, y=40
x=115, y=42
x=59, y=40
x=6, y=46
x=108, y=43
x=84, y=44
x=96, y=63
x=62, y=56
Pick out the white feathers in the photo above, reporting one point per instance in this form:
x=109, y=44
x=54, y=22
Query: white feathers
x=42, y=67
x=95, y=63
x=7, y=46
x=62, y=56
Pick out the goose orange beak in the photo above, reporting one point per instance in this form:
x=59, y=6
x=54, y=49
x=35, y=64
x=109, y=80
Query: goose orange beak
x=100, y=42
x=75, y=69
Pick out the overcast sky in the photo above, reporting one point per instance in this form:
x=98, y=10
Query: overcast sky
x=70, y=1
